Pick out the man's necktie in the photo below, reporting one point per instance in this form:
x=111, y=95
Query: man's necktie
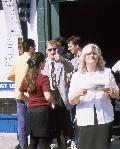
x=53, y=75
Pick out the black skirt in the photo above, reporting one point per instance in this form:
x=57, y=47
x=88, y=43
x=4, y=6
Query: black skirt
x=94, y=136
x=38, y=121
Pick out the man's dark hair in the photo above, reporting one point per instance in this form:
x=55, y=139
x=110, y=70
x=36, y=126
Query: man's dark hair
x=75, y=40
x=27, y=43
x=61, y=40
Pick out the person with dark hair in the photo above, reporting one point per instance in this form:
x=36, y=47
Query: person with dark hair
x=90, y=90
x=75, y=40
x=39, y=102
x=26, y=44
x=63, y=49
x=74, y=45
x=16, y=73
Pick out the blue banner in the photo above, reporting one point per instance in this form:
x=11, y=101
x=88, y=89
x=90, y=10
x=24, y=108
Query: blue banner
x=7, y=85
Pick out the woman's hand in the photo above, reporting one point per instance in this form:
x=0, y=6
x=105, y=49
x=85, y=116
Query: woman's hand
x=22, y=96
x=82, y=92
x=76, y=98
x=112, y=92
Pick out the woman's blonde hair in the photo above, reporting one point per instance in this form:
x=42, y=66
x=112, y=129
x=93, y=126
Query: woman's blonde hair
x=87, y=49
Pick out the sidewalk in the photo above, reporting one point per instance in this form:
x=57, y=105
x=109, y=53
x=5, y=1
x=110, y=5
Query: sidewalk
x=8, y=140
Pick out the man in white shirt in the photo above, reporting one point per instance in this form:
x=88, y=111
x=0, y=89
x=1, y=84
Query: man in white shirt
x=116, y=67
x=56, y=68
x=74, y=45
x=116, y=71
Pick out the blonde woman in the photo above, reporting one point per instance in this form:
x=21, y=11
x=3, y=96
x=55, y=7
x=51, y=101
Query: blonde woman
x=90, y=89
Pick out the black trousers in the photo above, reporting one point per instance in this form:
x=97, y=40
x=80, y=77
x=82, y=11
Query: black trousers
x=94, y=136
x=38, y=143
x=59, y=122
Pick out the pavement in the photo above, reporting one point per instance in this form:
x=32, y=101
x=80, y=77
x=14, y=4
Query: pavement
x=9, y=141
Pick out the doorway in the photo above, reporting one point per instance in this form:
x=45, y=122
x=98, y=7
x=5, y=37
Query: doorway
x=95, y=22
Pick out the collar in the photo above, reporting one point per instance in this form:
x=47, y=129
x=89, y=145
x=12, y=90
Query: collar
x=49, y=61
x=78, y=54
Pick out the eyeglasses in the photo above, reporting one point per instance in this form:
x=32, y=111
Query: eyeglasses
x=54, y=49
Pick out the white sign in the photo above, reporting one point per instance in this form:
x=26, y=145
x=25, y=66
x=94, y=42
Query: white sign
x=32, y=26
x=6, y=59
x=7, y=86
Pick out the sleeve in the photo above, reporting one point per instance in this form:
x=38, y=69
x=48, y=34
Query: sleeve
x=116, y=67
x=68, y=66
x=46, y=84
x=23, y=86
x=73, y=86
x=112, y=81
x=11, y=73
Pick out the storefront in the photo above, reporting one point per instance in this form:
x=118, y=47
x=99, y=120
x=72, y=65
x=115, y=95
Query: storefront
x=8, y=118
x=93, y=20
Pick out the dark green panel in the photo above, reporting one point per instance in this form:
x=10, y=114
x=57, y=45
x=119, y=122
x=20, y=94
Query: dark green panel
x=57, y=1
x=1, y=5
x=43, y=23
x=62, y=0
x=55, y=31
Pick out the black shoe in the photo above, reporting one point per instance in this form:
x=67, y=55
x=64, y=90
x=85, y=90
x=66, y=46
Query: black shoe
x=54, y=144
x=18, y=147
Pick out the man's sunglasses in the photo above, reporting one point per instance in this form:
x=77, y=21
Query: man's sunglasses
x=54, y=49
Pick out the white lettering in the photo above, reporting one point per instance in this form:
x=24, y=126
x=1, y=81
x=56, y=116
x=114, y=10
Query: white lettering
x=12, y=85
x=3, y=85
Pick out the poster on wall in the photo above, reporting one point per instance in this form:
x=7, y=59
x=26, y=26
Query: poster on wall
x=6, y=60
x=10, y=31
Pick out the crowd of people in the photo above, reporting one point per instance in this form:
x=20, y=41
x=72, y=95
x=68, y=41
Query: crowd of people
x=64, y=98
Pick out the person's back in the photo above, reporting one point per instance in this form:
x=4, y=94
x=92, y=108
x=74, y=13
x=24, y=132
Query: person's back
x=38, y=98
x=17, y=73
x=39, y=102
x=20, y=69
